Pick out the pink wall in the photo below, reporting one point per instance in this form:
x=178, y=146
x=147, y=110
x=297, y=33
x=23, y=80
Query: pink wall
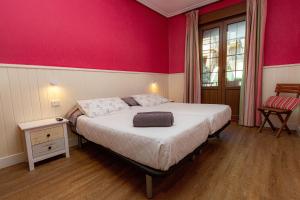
x=176, y=43
x=177, y=34
x=130, y=37
x=102, y=34
x=282, y=44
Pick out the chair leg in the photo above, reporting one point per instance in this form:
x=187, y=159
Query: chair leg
x=266, y=115
x=283, y=123
x=264, y=122
x=270, y=123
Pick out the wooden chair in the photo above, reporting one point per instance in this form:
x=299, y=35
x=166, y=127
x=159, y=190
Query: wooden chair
x=267, y=111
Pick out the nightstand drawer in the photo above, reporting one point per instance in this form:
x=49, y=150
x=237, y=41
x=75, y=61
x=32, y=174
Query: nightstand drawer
x=47, y=134
x=48, y=147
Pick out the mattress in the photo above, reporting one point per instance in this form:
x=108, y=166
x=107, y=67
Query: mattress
x=156, y=147
x=218, y=115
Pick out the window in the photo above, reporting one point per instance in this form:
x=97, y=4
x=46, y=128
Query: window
x=235, y=53
x=210, y=57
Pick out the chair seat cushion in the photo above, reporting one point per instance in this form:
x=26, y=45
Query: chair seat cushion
x=282, y=102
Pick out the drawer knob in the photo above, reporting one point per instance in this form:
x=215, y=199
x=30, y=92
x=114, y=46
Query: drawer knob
x=48, y=135
x=49, y=148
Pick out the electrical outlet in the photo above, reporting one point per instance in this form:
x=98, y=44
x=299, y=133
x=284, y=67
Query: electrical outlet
x=55, y=103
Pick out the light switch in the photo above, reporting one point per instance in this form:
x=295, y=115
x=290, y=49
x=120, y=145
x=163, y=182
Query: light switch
x=55, y=103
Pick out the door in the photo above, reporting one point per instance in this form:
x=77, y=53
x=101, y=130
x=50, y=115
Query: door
x=222, y=62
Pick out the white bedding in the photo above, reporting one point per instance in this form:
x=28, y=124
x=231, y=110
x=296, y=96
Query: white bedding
x=159, y=148
x=217, y=114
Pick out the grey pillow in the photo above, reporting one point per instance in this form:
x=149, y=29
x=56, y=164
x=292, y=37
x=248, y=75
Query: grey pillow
x=130, y=101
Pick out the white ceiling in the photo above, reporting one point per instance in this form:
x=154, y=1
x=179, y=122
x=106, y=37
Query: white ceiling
x=170, y=8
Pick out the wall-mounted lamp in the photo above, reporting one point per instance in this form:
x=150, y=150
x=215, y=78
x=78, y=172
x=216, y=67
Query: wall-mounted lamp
x=53, y=82
x=154, y=88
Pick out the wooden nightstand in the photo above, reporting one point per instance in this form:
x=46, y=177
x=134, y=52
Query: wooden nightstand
x=45, y=139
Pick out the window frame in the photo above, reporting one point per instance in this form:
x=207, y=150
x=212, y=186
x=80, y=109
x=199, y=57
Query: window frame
x=224, y=50
x=201, y=31
x=222, y=25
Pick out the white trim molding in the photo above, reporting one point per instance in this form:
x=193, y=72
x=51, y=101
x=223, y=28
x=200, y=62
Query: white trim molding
x=154, y=7
x=285, y=65
x=191, y=7
x=168, y=14
x=47, y=67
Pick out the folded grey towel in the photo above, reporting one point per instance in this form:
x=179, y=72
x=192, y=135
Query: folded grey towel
x=153, y=119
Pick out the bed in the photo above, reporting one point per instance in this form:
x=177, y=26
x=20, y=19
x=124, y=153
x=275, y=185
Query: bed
x=155, y=150
x=165, y=146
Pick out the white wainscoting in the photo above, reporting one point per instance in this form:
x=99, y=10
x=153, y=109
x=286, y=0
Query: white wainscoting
x=176, y=87
x=25, y=96
x=281, y=74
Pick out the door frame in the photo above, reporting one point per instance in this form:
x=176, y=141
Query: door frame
x=223, y=26
x=224, y=52
x=201, y=30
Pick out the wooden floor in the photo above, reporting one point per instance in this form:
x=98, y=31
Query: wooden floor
x=242, y=164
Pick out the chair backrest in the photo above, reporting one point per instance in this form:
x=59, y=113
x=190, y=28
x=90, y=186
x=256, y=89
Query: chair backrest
x=288, y=88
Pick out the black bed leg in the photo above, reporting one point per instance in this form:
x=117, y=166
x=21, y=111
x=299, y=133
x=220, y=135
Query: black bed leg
x=79, y=141
x=149, y=186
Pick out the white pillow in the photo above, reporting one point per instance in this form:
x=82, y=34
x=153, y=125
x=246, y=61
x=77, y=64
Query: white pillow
x=97, y=107
x=150, y=99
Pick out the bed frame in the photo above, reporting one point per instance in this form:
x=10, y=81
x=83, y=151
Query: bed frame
x=149, y=171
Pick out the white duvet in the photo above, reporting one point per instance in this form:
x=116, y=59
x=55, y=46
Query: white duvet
x=156, y=147
x=217, y=114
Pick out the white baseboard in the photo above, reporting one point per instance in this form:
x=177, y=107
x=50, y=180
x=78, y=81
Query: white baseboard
x=293, y=126
x=12, y=160
x=21, y=157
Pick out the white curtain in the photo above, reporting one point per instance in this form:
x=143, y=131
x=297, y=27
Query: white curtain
x=192, y=93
